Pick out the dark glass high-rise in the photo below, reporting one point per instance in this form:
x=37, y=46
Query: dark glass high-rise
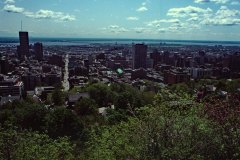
x=23, y=49
x=139, y=56
x=38, y=50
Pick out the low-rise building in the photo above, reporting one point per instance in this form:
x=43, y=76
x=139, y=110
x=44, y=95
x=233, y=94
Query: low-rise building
x=198, y=73
x=177, y=75
x=11, y=88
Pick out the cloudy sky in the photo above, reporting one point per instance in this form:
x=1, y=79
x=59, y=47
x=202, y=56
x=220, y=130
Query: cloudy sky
x=155, y=19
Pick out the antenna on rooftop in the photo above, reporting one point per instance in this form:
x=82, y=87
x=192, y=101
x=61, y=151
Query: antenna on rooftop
x=21, y=25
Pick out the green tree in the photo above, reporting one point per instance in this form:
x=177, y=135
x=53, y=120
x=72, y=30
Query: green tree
x=173, y=128
x=115, y=142
x=101, y=94
x=233, y=85
x=63, y=122
x=116, y=87
x=86, y=106
x=225, y=112
x=181, y=87
x=87, y=110
x=24, y=115
x=32, y=145
x=31, y=117
x=115, y=116
x=124, y=100
x=58, y=97
x=148, y=97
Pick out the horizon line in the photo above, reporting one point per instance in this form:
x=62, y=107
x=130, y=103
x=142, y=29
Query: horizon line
x=108, y=38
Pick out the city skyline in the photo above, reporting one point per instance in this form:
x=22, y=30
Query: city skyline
x=150, y=19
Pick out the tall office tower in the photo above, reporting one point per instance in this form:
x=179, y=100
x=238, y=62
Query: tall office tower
x=139, y=56
x=38, y=50
x=4, y=66
x=23, y=49
x=155, y=56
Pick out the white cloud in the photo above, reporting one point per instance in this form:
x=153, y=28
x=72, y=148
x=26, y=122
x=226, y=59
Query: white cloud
x=115, y=29
x=193, y=19
x=220, y=1
x=169, y=21
x=188, y=11
x=224, y=16
x=224, y=12
x=235, y=3
x=142, y=9
x=156, y=23
x=232, y=2
x=163, y=30
x=195, y=15
x=68, y=18
x=9, y=1
x=142, y=30
x=139, y=30
x=202, y=1
x=170, y=29
x=48, y=14
x=13, y=8
x=175, y=25
x=132, y=18
x=184, y=28
x=222, y=22
x=41, y=14
x=214, y=1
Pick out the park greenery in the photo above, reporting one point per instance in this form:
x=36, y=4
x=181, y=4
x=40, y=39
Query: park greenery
x=167, y=124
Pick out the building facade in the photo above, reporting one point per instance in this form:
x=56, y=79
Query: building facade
x=23, y=49
x=174, y=76
x=38, y=50
x=139, y=56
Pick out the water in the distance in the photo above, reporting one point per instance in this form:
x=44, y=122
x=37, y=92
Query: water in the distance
x=86, y=41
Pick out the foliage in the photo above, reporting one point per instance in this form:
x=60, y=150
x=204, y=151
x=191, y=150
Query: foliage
x=32, y=145
x=62, y=122
x=143, y=125
x=180, y=87
x=128, y=98
x=101, y=94
x=148, y=97
x=112, y=143
x=86, y=106
x=56, y=122
x=225, y=112
x=121, y=95
x=115, y=117
x=233, y=85
x=58, y=97
x=221, y=108
x=87, y=110
x=24, y=115
x=158, y=132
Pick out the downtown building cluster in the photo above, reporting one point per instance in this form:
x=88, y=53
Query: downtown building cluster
x=31, y=70
x=137, y=64
x=24, y=70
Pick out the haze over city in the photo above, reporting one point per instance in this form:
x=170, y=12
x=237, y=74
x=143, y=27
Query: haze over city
x=119, y=79
x=151, y=19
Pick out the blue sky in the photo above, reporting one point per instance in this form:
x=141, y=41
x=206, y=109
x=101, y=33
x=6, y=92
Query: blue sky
x=154, y=19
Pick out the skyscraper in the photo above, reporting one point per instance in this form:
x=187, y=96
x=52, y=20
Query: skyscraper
x=23, y=49
x=38, y=49
x=139, y=56
x=155, y=56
